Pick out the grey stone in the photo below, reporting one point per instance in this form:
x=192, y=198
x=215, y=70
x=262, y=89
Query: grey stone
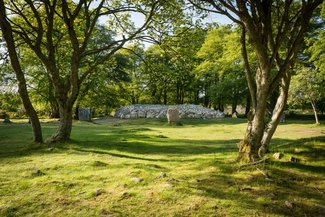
x=124, y=194
x=160, y=111
x=161, y=114
x=234, y=115
x=289, y=204
x=167, y=185
x=84, y=114
x=137, y=179
x=37, y=172
x=141, y=114
x=151, y=114
x=173, y=115
x=277, y=155
x=98, y=192
x=134, y=114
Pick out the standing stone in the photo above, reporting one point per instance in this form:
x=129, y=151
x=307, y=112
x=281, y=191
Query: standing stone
x=7, y=120
x=283, y=117
x=84, y=114
x=173, y=116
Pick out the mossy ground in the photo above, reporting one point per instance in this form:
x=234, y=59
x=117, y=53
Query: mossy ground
x=96, y=173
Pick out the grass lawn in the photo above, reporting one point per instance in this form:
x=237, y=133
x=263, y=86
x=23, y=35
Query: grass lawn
x=148, y=168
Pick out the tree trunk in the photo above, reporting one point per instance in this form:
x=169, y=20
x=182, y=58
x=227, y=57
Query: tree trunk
x=76, y=111
x=313, y=104
x=65, y=127
x=165, y=97
x=248, y=105
x=55, y=113
x=276, y=114
x=250, y=145
x=22, y=88
x=234, y=103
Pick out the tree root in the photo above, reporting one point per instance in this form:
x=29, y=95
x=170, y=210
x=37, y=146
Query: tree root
x=253, y=163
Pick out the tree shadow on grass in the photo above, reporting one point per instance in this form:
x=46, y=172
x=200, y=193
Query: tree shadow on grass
x=260, y=197
x=306, y=148
x=152, y=146
x=263, y=197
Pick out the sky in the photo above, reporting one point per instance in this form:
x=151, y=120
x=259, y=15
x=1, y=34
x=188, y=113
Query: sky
x=139, y=20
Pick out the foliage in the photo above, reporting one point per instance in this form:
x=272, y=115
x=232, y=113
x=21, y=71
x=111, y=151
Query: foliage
x=306, y=86
x=221, y=67
x=316, y=44
x=10, y=102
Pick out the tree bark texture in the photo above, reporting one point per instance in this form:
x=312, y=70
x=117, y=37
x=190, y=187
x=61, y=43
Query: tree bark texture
x=63, y=132
x=276, y=115
x=22, y=88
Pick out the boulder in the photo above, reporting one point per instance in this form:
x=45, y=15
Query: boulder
x=84, y=114
x=173, y=116
x=277, y=155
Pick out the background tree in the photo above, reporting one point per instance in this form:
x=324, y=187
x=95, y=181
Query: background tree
x=307, y=87
x=221, y=69
x=7, y=33
x=168, y=68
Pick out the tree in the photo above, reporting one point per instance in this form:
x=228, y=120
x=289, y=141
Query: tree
x=60, y=33
x=107, y=85
x=316, y=44
x=130, y=62
x=7, y=33
x=275, y=30
x=39, y=83
x=168, y=67
x=221, y=68
x=306, y=86
x=158, y=74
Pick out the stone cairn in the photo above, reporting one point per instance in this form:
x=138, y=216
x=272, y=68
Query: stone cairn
x=160, y=111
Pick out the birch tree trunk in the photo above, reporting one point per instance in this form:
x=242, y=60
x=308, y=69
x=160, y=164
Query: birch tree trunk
x=313, y=104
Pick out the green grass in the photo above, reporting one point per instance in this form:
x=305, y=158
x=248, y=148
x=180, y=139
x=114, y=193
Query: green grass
x=95, y=174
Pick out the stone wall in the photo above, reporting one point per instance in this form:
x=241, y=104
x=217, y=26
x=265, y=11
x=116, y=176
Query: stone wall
x=159, y=111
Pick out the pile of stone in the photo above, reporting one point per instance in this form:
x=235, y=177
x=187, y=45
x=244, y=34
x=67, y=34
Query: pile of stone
x=160, y=111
